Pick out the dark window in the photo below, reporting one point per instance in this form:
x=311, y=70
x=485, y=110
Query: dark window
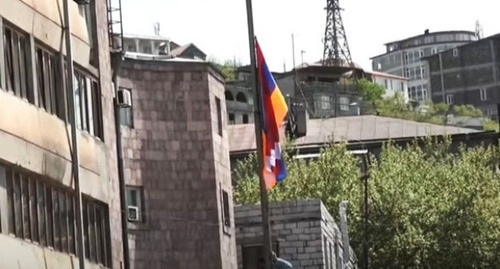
x=219, y=115
x=229, y=96
x=88, y=104
x=240, y=97
x=44, y=213
x=227, y=215
x=16, y=63
x=231, y=118
x=253, y=257
x=126, y=113
x=135, y=204
x=50, y=97
x=245, y=118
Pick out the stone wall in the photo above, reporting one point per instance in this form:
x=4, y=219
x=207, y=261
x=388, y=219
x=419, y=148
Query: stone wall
x=177, y=154
x=305, y=233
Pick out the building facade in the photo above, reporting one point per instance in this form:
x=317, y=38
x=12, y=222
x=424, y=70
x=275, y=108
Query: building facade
x=303, y=233
x=159, y=45
x=404, y=58
x=37, y=191
x=468, y=74
x=177, y=170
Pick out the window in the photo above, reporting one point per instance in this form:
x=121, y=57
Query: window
x=407, y=72
x=131, y=48
x=483, y=94
x=344, y=103
x=407, y=57
x=421, y=53
x=433, y=50
x=450, y=99
x=240, y=97
x=135, y=204
x=455, y=52
x=43, y=212
x=16, y=59
x=88, y=104
x=50, y=95
x=245, y=118
x=325, y=102
x=252, y=255
x=219, y=115
x=231, y=118
x=146, y=49
x=386, y=83
x=226, y=211
x=422, y=72
x=379, y=66
x=126, y=113
x=229, y=96
x=428, y=39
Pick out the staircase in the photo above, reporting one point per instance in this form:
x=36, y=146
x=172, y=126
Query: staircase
x=115, y=26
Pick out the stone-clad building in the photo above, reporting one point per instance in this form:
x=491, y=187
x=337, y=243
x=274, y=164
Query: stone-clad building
x=468, y=74
x=303, y=232
x=37, y=197
x=177, y=170
x=404, y=57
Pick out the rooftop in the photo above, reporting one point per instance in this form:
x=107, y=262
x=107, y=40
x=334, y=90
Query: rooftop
x=347, y=129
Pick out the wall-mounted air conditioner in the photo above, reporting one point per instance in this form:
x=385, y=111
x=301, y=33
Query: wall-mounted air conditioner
x=133, y=214
x=124, y=98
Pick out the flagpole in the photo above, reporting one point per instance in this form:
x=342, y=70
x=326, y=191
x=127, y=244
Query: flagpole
x=264, y=201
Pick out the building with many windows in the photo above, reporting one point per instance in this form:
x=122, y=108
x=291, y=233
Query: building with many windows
x=468, y=75
x=38, y=200
x=159, y=45
x=403, y=58
x=177, y=169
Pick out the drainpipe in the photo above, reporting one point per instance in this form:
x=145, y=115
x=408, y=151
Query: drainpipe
x=442, y=76
x=74, y=135
x=117, y=60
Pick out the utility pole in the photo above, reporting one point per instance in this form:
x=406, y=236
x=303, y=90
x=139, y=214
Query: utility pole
x=75, y=158
x=302, y=56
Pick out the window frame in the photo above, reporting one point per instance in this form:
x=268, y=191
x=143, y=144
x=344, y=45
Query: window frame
x=450, y=99
x=17, y=73
x=483, y=94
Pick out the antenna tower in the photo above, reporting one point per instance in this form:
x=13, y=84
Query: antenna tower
x=336, y=52
x=479, y=30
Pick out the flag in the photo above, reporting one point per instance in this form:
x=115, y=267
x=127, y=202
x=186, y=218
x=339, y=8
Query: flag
x=273, y=112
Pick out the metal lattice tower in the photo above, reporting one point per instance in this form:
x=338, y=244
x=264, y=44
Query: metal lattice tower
x=336, y=52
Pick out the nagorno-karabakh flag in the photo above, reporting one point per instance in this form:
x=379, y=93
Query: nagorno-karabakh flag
x=273, y=112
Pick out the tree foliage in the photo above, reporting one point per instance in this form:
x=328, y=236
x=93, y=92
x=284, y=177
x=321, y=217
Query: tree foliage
x=228, y=68
x=430, y=206
x=370, y=91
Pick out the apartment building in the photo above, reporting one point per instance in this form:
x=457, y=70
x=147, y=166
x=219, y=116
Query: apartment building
x=160, y=45
x=177, y=169
x=403, y=58
x=468, y=75
x=38, y=205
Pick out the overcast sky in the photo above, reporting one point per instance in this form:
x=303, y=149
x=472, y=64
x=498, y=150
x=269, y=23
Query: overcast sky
x=219, y=27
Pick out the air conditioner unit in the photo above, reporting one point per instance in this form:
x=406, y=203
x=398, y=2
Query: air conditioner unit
x=133, y=213
x=124, y=98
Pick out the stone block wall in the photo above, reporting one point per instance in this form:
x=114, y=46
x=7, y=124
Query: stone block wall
x=176, y=153
x=302, y=230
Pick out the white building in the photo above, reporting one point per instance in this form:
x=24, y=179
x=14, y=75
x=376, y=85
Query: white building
x=392, y=84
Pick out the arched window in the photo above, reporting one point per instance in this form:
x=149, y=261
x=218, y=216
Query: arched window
x=229, y=96
x=240, y=97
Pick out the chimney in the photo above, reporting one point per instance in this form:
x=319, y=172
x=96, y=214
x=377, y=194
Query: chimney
x=426, y=32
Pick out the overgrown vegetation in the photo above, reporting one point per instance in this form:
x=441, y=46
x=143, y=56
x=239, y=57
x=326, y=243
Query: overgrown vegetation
x=429, y=207
x=396, y=107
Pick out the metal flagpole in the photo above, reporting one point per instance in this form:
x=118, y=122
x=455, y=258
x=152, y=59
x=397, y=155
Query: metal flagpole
x=258, y=136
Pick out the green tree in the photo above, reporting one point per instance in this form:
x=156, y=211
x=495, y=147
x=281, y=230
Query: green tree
x=430, y=207
x=370, y=91
x=227, y=68
x=467, y=110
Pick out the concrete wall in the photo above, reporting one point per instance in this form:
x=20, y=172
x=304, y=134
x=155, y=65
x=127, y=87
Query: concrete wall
x=40, y=142
x=175, y=153
x=304, y=231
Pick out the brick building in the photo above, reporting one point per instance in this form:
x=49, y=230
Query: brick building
x=37, y=196
x=303, y=232
x=468, y=74
x=177, y=170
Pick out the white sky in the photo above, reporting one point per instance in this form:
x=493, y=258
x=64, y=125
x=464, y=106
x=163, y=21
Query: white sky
x=219, y=27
